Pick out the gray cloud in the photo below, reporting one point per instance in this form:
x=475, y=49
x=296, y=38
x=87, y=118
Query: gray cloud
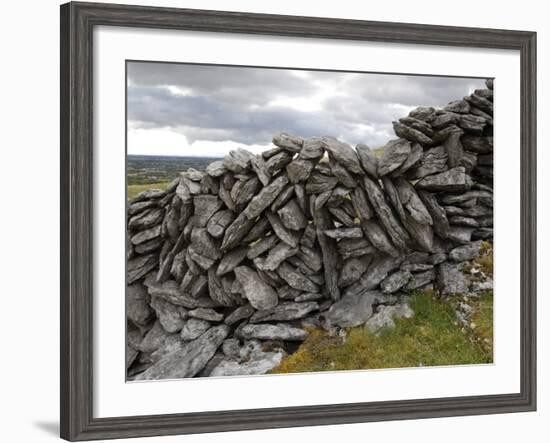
x=248, y=105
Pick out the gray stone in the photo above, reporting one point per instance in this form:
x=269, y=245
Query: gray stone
x=458, y=106
x=194, y=328
x=259, y=166
x=342, y=174
x=459, y=220
x=206, y=314
x=146, y=235
x=237, y=231
x=261, y=246
x=419, y=280
x=450, y=279
x=154, y=338
x=312, y=148
x=419, y=125
x=238, y=160
x=295, y=279
x=453, y=148
x=170, y=316
x=289, y=142
x=439, y=218
x=258, y=230
x=466, y=252
x=277, y=255
x=219, y=222
x=139, y=266
x=385, y=316
x=265, y=197
x=279, y=331
x=472, y=124
x=205, y=207
x=479, y=145
x=285, y=195
x=239, y=314
x=412, y=202
x=394, y=155
x=433, y=161
x=137, y=306
x=231, y=260
x=292, y=216
x=368, y=160
x=363, y=208
x=392, y=226
x=278, y=162
x=349, y=248
x=378, y=270
x=244, y=190
x=343, y=154
x=453, y=180
x=395, y=281
x=259, y=364
x=416, y=154
x=352, y=310
x=299, y=170
x=411, y=134
x=443, y=119
x=318, y=183
x=285, y=311
x=378, y=237
x=216, y=169
x=291, y=238
x=340, y=233
x=146, y=219
x=481, y=103
x=331, y=261
x=352, y=269
x=259, y=294
x=217, y=291
x=190, y=359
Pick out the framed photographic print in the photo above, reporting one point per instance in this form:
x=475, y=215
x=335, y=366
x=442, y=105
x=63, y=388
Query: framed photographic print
x=272, y=221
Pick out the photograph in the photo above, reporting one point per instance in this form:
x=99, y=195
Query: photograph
x=283, y=220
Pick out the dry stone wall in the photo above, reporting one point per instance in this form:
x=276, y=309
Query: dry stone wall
x=226, y=267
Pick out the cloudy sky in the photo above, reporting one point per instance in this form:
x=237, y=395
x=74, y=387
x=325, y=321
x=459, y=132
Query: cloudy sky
x=206, y=110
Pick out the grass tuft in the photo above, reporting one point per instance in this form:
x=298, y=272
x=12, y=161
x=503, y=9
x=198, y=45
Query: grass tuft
x=432, y=338
x=134, y=190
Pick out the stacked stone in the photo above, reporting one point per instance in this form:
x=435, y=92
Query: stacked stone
x=227, y=267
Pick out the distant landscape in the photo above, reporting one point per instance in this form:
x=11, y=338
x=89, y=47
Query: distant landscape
x=156, y=171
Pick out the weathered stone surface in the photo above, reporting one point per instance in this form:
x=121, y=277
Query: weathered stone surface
x=392, y=226
x=278, y=162
x=385, y=316
x=450, y=279
x=395, y=281
x=411, y=134
x=394, y=155
x=377, y=271
x=296, y=279
x=241, y=313
x=259, y=294
x=348, y=248
x=190, y=359
x=458, y=106
x=481, y=103
x=170, y=316
x=146, y=219
x=285, y=195
x=353, y=269
x=368, y=160
x=205, y=207
x=453, y=180
x=340, y=233
x=318, y=183
x=419, y=125
x=279, y=331
x=257, y=364
x=219, y=222
x=432, y=162
x=146, y=235
x=362, y=207
x=479, y=145
x=194, y=328
x=378, y=237
x=154, y=338
x=342, y=153
x=412, y=202
x=237, y=231
x=289, y=142
x=466, y=252
x=138, y=267
x=331, y=260
x=439, y=217
x=352, y=310
x=265, y=197
x=238, y=160
x=231, y=260
x=419, y=280
x=472, y=124
x=277, y=255
x=259, y=166
x=292, y=216
x=453, y=148
x=291, y=238
x=342, y=174
x=416, y=154
x=299, y=170
x=207, y=314
x=217, y=291
x=244, y=190
x=261, y=246
x=137, y=304
x=285, y=311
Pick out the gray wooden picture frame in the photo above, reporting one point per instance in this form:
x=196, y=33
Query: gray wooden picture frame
x=77, y=23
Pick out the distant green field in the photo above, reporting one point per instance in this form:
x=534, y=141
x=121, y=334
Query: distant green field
x=134, y=190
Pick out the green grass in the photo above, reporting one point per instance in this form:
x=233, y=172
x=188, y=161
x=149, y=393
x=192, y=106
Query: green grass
x=134, y=190
x=432, y=338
